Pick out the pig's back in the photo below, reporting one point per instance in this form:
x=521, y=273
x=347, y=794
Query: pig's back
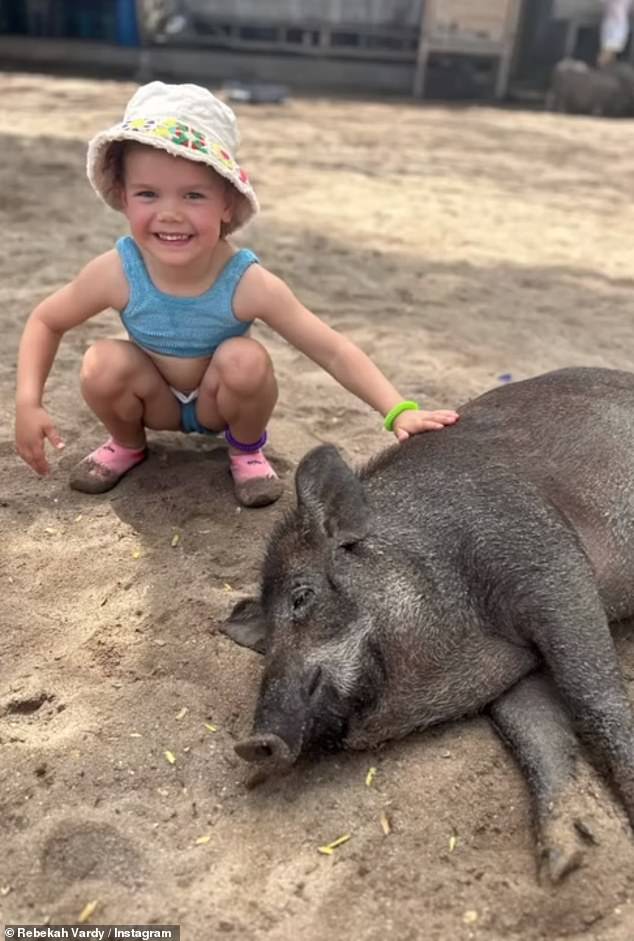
x=571, y=434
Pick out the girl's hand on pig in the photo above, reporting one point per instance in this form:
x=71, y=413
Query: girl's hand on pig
x=413, y=423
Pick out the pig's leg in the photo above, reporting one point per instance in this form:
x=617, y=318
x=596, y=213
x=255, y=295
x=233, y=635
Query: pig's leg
x=580, y=653
x=531, y=719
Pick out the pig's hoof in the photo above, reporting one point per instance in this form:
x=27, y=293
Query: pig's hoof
x=558, y=862
x=561, y=850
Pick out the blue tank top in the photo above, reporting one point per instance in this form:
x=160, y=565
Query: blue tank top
x=181, y=326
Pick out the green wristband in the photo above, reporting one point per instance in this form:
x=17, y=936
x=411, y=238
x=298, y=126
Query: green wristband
x=393, y=413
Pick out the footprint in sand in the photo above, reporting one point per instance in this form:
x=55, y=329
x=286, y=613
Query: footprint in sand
x=84, y=850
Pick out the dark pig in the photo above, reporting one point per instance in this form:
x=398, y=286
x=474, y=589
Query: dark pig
x=443, y=577
x=579, y=89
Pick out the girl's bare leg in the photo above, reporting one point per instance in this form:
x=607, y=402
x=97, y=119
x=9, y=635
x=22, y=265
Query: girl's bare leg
x=125, y=390
x=239, y=392
x=238, y=389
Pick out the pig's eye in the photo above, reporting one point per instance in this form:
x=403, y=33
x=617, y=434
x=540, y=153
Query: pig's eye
x=301, y=598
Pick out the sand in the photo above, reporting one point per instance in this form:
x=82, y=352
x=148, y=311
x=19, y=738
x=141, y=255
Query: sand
x=455, y=246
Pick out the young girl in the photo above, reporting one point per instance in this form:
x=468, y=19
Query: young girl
x=187, y=298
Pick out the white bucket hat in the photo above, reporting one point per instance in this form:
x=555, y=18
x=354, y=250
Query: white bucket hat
x=186, y=121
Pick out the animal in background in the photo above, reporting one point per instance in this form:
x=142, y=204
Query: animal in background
x=577, y=88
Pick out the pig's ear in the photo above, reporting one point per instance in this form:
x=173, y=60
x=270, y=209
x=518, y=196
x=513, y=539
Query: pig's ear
x=332, y=496
x=246, y=625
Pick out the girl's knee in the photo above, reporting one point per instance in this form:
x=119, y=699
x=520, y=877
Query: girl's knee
x=244, y=364
x=104, y=366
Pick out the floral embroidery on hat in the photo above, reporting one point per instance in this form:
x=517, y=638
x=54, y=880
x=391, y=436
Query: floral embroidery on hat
x=139, y=124
x=226, y=158
x=198, y=142
x=179, y=133
x=169, y=129
x=184, y=135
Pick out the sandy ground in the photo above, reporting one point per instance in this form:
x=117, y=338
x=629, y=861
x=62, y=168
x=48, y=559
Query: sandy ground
x=454, y=245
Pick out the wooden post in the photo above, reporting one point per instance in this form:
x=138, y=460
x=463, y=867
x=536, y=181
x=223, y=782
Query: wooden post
x=144, y=70
x=571, y=37
x=422, y=53
x=508, y=48
x=140, y=21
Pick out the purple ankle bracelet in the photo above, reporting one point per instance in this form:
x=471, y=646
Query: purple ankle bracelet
x=247, y=448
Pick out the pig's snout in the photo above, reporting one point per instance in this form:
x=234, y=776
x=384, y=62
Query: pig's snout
x=289, y=700
x=265, y=748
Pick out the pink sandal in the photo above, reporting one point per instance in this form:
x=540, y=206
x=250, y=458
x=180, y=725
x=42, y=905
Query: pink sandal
x=255, y=483
x=100, y=470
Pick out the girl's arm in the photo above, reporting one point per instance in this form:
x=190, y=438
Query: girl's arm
x=99, y=285
x=276, y=305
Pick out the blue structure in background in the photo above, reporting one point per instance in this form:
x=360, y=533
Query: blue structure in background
x=101, y=20
x=127, y=25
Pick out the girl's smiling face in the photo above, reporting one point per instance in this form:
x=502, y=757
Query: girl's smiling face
x=175, y=207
